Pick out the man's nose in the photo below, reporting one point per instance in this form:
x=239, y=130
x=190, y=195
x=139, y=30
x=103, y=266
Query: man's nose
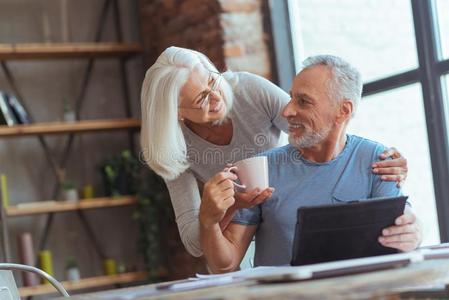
x=288, y=110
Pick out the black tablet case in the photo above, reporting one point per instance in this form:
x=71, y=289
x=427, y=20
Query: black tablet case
x=344, y=231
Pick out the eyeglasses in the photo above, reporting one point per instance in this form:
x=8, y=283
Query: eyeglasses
x=205, y=95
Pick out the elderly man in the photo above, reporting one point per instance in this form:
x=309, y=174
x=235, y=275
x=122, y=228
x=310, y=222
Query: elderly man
x=321, y=165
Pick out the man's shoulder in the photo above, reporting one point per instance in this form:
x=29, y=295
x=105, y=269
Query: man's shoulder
x=365, y=146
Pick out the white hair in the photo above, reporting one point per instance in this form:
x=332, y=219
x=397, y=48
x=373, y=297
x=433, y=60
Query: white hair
x=163, y=145
x=346, y=81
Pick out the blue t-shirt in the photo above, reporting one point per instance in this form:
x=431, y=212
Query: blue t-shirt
x=299, y=182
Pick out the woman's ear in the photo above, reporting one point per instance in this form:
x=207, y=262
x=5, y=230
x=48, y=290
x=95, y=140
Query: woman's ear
x=346, y=109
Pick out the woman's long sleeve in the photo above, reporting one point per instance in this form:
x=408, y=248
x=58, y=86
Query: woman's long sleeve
x=185, y=198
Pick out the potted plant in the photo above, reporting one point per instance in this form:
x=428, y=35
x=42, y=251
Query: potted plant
x=120, y=174
x=153, y=214
x=124, y=174
x=69, y=191
x=72, y=272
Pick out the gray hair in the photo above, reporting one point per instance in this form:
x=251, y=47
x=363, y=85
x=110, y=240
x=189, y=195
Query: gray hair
x=346, y=81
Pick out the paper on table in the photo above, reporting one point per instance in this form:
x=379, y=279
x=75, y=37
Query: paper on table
x=261, y=272
x=308, y=271
x=241, y=273
x=297, y=273
x=200, y=283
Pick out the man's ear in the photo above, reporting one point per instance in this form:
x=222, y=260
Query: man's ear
x=346, y=109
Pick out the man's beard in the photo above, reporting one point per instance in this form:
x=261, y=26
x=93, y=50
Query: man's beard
x=309, y=138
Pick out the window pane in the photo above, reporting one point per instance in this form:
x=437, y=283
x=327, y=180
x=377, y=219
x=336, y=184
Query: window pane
x=396, y=119
x=376, y=36
x=442, y=9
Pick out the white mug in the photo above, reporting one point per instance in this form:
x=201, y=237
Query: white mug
x=252, y=173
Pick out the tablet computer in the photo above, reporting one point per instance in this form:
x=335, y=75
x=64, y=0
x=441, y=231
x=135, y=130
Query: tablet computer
x=344, y=231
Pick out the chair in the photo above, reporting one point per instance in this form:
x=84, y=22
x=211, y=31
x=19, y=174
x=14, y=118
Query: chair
x=8, y=288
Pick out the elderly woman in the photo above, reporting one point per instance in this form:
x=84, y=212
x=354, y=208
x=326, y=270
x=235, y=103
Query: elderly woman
x=196, y=120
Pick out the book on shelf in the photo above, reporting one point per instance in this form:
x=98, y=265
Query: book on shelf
x=7, y=116
x=18, y=110
x=2, y=118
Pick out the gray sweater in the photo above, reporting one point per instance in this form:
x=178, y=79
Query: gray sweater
x=257, y=125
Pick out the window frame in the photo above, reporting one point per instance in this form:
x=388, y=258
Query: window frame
x=429, y=74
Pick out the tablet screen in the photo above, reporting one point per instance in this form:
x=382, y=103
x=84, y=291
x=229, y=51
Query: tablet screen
x=344, y=231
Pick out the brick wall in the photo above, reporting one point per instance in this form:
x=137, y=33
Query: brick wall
x=245, y=45
x=229, y=32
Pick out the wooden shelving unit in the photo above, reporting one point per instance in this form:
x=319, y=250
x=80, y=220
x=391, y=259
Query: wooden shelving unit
x=66, y=127
x=90, y=52
x=43, y=207
x=67, y=50
x=99, y=281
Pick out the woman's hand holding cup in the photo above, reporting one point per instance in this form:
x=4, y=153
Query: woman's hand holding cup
x=253, y=174
x=218, y=197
